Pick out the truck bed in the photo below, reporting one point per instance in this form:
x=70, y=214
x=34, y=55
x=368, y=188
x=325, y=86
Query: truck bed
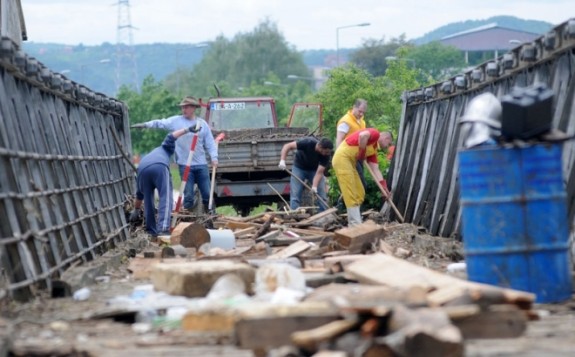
x=255, y=150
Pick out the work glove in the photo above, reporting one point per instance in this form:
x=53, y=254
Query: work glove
x=194, y=129
x=314, y=189
x=135, y=215
x=282, y=164
x=361, y=154
x=138, y=126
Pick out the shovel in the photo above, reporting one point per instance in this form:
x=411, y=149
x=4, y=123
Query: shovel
x=213, y=183
x=385, y=194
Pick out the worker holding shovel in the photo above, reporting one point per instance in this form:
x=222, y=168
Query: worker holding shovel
x=359, y=146
x=190, y=149
x=154, y=174
x=311, y=158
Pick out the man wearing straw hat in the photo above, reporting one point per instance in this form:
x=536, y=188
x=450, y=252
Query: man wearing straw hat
x=199, y=173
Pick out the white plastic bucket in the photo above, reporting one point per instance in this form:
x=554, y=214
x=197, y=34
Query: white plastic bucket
x=222, y=238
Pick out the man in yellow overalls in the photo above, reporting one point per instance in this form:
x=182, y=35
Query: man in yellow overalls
x=359, y=146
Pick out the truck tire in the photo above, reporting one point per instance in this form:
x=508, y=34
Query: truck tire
x=243, y=210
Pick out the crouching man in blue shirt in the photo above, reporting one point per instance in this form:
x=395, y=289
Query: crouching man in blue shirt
x=154, y=173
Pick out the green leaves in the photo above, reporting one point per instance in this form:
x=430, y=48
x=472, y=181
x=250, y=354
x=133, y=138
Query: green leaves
x=154, y=102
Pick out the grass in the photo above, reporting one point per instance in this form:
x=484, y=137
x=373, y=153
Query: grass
x=176, y=180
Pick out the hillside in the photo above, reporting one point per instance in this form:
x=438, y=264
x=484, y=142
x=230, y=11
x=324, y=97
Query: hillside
x=95, y=65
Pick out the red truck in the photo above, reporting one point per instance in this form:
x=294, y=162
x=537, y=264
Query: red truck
x=247, y=174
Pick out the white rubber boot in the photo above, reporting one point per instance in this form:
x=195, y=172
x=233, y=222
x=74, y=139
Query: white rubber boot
x=353, y=216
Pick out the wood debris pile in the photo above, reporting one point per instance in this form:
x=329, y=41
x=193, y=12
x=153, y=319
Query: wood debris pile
x=365, y=295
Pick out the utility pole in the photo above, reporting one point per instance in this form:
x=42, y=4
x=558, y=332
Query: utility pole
x=125, y=56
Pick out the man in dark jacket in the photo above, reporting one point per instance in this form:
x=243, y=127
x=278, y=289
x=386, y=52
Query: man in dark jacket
x=154, y=173
x=311, y=159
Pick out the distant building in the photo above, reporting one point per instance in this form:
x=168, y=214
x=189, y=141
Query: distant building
x=487, y=38
x=12, y=21
x=319, y=75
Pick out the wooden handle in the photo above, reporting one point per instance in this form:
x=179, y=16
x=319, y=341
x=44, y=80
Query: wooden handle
x=383, y=191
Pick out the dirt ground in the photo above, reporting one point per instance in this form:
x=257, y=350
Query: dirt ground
x=66, y=327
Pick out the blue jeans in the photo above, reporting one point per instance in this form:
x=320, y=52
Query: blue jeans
x=296, y=187
x=199, y=175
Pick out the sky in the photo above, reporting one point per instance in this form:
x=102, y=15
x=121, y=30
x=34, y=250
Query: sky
x=305, y=24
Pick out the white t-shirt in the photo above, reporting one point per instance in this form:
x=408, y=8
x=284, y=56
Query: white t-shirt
x=343, y=127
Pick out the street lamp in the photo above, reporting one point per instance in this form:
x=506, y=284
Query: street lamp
x=269, y=83
x=85, y=65
x=294, y=76
x=393, y=58
x=312, y=80
x=337, y=37
x=178, y=49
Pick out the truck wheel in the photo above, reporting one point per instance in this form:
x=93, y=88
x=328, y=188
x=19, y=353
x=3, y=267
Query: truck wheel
x=243, y=211
x=281, y=206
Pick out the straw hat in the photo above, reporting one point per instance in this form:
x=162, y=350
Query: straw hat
x=189, y=101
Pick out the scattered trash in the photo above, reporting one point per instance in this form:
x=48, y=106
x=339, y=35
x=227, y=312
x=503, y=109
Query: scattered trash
x=458, y=270
x=227, y=286
x=271, y=277
x=102, y=279
x=82, y=294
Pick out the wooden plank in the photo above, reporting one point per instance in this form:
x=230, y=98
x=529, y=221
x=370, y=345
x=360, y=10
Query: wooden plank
x=294, y=249
x=338, y=263
x=241, y=233
x=496, y=321
x=220, y=320
x=241, y=225
x=312, y=219
x=310, y=232
x=267, y=326
x=367, y=296
x=196, y=278
x=382, y=269
x=310, y=339
x=269, y=236
x=357, y=237
x=423, y=332
x=141, y=268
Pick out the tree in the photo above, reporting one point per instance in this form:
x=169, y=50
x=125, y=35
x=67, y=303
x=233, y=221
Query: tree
x=373, y=53
x=154, y=102
x=246, y=59
x=383, y=94
x=436, y=59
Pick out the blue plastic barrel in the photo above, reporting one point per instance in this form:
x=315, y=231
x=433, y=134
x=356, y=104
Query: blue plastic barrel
x=514, y=219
